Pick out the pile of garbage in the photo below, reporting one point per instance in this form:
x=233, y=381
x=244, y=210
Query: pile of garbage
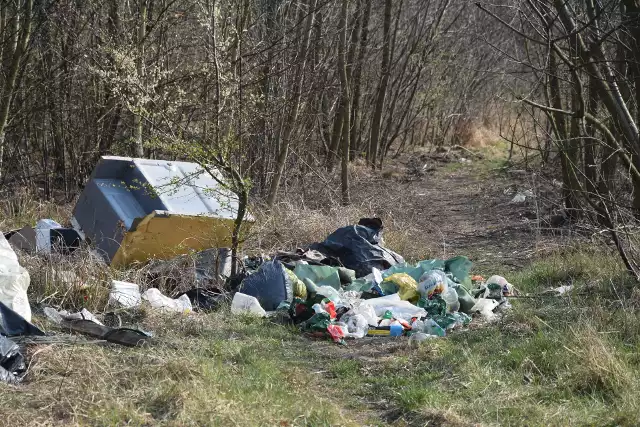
x=348, y=286
x=351, y=286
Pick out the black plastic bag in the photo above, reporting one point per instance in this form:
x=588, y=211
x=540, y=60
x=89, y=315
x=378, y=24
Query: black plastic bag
x=204, y=300
x=270, y=285
x=359, y=247
x=12, y=324
x=12, y=363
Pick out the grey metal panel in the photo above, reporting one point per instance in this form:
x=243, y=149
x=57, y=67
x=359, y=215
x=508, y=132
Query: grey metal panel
x=120, y=200
x=186, y=189
x=100, y=216
x=123, y=190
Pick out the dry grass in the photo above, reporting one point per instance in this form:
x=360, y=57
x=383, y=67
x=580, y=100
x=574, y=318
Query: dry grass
x=202, y=370
x=24, y=208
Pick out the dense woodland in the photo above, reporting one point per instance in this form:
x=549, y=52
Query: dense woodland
x=269, y=91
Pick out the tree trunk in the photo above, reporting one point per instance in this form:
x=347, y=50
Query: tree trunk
x=590, y=144
x=372, y=155
x=295, y=108
x=344, y=84
x=355, y=137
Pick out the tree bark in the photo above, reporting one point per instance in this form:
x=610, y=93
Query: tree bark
x=376, y=123
x=344, y=84
x=355, y=137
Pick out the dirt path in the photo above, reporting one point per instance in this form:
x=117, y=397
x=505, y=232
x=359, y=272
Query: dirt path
x=459, y=208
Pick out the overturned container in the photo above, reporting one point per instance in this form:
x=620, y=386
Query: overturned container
x=140, y=209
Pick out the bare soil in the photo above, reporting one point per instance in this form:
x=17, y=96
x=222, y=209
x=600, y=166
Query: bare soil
x=457, y=208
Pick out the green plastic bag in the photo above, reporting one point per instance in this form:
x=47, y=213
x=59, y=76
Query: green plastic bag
x=319, y=322
x=459, y=267
x=464, y=298
x=359, y=285
x=435, y=306
x=320, y=275
x=347, y=276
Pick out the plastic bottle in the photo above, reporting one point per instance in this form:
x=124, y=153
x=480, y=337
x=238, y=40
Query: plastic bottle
x=396, y=329
x=432, y=328
x=418, y=337
x=357, y=326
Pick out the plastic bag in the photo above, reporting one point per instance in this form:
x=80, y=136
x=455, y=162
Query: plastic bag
x=459, y=267
x=497, y=287
x=320, y=275
x=435, y=306
x=330, y=293
x=365, y=310
x=359, y=247
x=419, y=337
x=14, y=281
x=297, y=285
x=12, y=324
x=432, y=327
x=336, y=332
x=357, y=326
x=485, y=307
x=125, y=294
x=432, y=283
x=450, y=297
x=407, y=286
x=12, y=364
x=58, y=316
x=243, y=303
x=157, y=300
x=399, y=308
x=270, y=285
x=464, y=298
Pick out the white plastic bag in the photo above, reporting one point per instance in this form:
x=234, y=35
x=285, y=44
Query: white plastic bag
x=243, y=303
x=400, y=309
x=485, y=307
x=125, y=294
x=157, y=300
x=450, y=296
x=357, y=326
x=14, y=281
x=432, y=282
